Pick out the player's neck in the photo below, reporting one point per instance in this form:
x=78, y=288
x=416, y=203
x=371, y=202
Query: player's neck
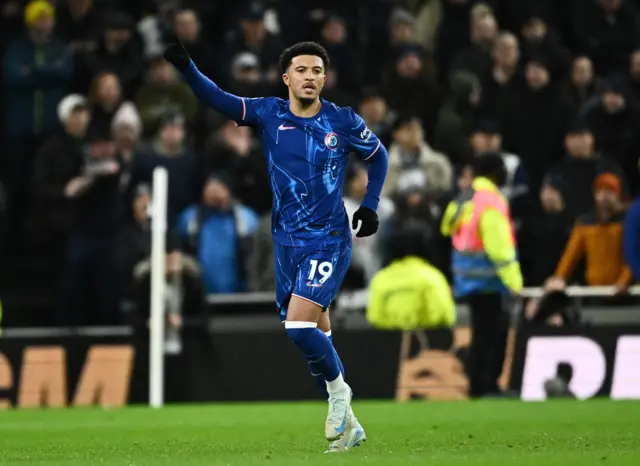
x=304, y=109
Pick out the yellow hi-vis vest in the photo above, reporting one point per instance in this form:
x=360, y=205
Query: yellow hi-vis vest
x=410, y=294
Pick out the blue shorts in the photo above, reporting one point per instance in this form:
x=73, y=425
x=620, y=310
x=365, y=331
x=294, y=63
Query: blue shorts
x=314, y=273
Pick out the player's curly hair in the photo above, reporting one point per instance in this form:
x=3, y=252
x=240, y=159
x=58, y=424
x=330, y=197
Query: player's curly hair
x=303, y=48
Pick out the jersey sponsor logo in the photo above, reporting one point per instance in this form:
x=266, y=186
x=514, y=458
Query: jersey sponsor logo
x=284, y=127
x=332, y=140
x=366, y=134
x=314, y=285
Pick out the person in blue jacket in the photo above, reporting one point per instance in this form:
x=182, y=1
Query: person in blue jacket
x=631, y=239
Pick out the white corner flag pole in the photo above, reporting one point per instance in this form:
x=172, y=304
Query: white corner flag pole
x=158, y=287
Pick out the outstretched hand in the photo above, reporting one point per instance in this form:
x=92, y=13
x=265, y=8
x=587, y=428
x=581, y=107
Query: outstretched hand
x=177, y=55
x=369, y=221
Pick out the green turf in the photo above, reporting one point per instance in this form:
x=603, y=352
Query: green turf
x=495, y=433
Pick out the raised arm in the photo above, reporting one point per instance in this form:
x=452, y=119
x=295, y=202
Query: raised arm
x=231, y=106
x=374, y=154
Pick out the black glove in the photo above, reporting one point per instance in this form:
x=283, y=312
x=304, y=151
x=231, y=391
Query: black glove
x=177, y=55
x=369, y=222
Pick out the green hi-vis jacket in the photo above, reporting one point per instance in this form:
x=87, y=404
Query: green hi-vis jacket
x=409, y=294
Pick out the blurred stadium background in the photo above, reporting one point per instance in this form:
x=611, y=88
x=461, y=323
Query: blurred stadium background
x=90, y=109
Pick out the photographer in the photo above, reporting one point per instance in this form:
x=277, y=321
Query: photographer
x=95, y=198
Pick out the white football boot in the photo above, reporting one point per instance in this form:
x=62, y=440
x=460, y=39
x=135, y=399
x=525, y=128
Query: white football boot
x=339, y=408
x=352, y=438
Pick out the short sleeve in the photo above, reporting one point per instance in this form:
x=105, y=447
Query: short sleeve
x=361, y=139
x=253, y=110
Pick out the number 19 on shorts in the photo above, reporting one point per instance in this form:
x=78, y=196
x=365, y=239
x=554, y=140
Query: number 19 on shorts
x=324, y=269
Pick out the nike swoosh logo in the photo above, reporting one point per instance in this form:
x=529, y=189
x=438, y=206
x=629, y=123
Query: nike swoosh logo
x=344, y=421
x=283, y=127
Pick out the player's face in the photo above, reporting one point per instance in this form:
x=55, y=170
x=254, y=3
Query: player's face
x=305, y=77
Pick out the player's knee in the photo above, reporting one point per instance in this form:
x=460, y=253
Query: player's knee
x=300, y=332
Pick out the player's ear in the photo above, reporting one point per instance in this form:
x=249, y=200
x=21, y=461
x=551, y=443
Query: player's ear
x=285, y=79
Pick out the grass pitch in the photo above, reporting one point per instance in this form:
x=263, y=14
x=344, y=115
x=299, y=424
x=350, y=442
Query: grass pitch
x=496, y=433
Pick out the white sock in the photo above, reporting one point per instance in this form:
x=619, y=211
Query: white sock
x=336, y=385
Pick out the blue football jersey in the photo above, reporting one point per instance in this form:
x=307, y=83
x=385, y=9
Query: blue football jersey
x=307, y=160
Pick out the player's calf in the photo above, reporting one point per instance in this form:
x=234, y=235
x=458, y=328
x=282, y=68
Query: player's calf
x=316, y=348
x=301, y=325
x=318, y=377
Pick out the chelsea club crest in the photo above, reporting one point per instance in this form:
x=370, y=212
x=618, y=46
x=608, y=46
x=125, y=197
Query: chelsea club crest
x=332, y=141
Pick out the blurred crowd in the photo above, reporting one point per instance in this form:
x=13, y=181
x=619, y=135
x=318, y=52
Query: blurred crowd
x=90, y=109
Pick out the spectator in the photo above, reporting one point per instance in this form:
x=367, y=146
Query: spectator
x=169, y=151
x=188, y=29
x=514, y=13
x=133, y=251
x=580, y=168
x=606, y=31
x=376, y=114
x=333, y=90
x=614, y=123
x=428, y=19
x=11, y=21
x=232, y=149
x=334, y=38
x=133, y=243
x=410, y=152
x=412, y=204
x=535, y=120
x=631, y=239
x=464, y=177
x=520, y=104
x=105, y=96
x=554, y=309
x=597, y=237
x=247, y=79
x=261, y=270
x=78, y=22
x=56, y=162
x=541, y=41
x=253, y=37
x=126, y=129
x=120, y=51
x=477, y=58
x=410, y=90
x=410, y=293
x=582, y=85
x=367, y=252
x=164, y=92
x=454, y=31
x=487, y=138
x=218, y=233
x=543, y=236
x=401, y=36
x=456, y=118
x=36, y=71
x=633, y=78
x=94, y=192
x=505, y=54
